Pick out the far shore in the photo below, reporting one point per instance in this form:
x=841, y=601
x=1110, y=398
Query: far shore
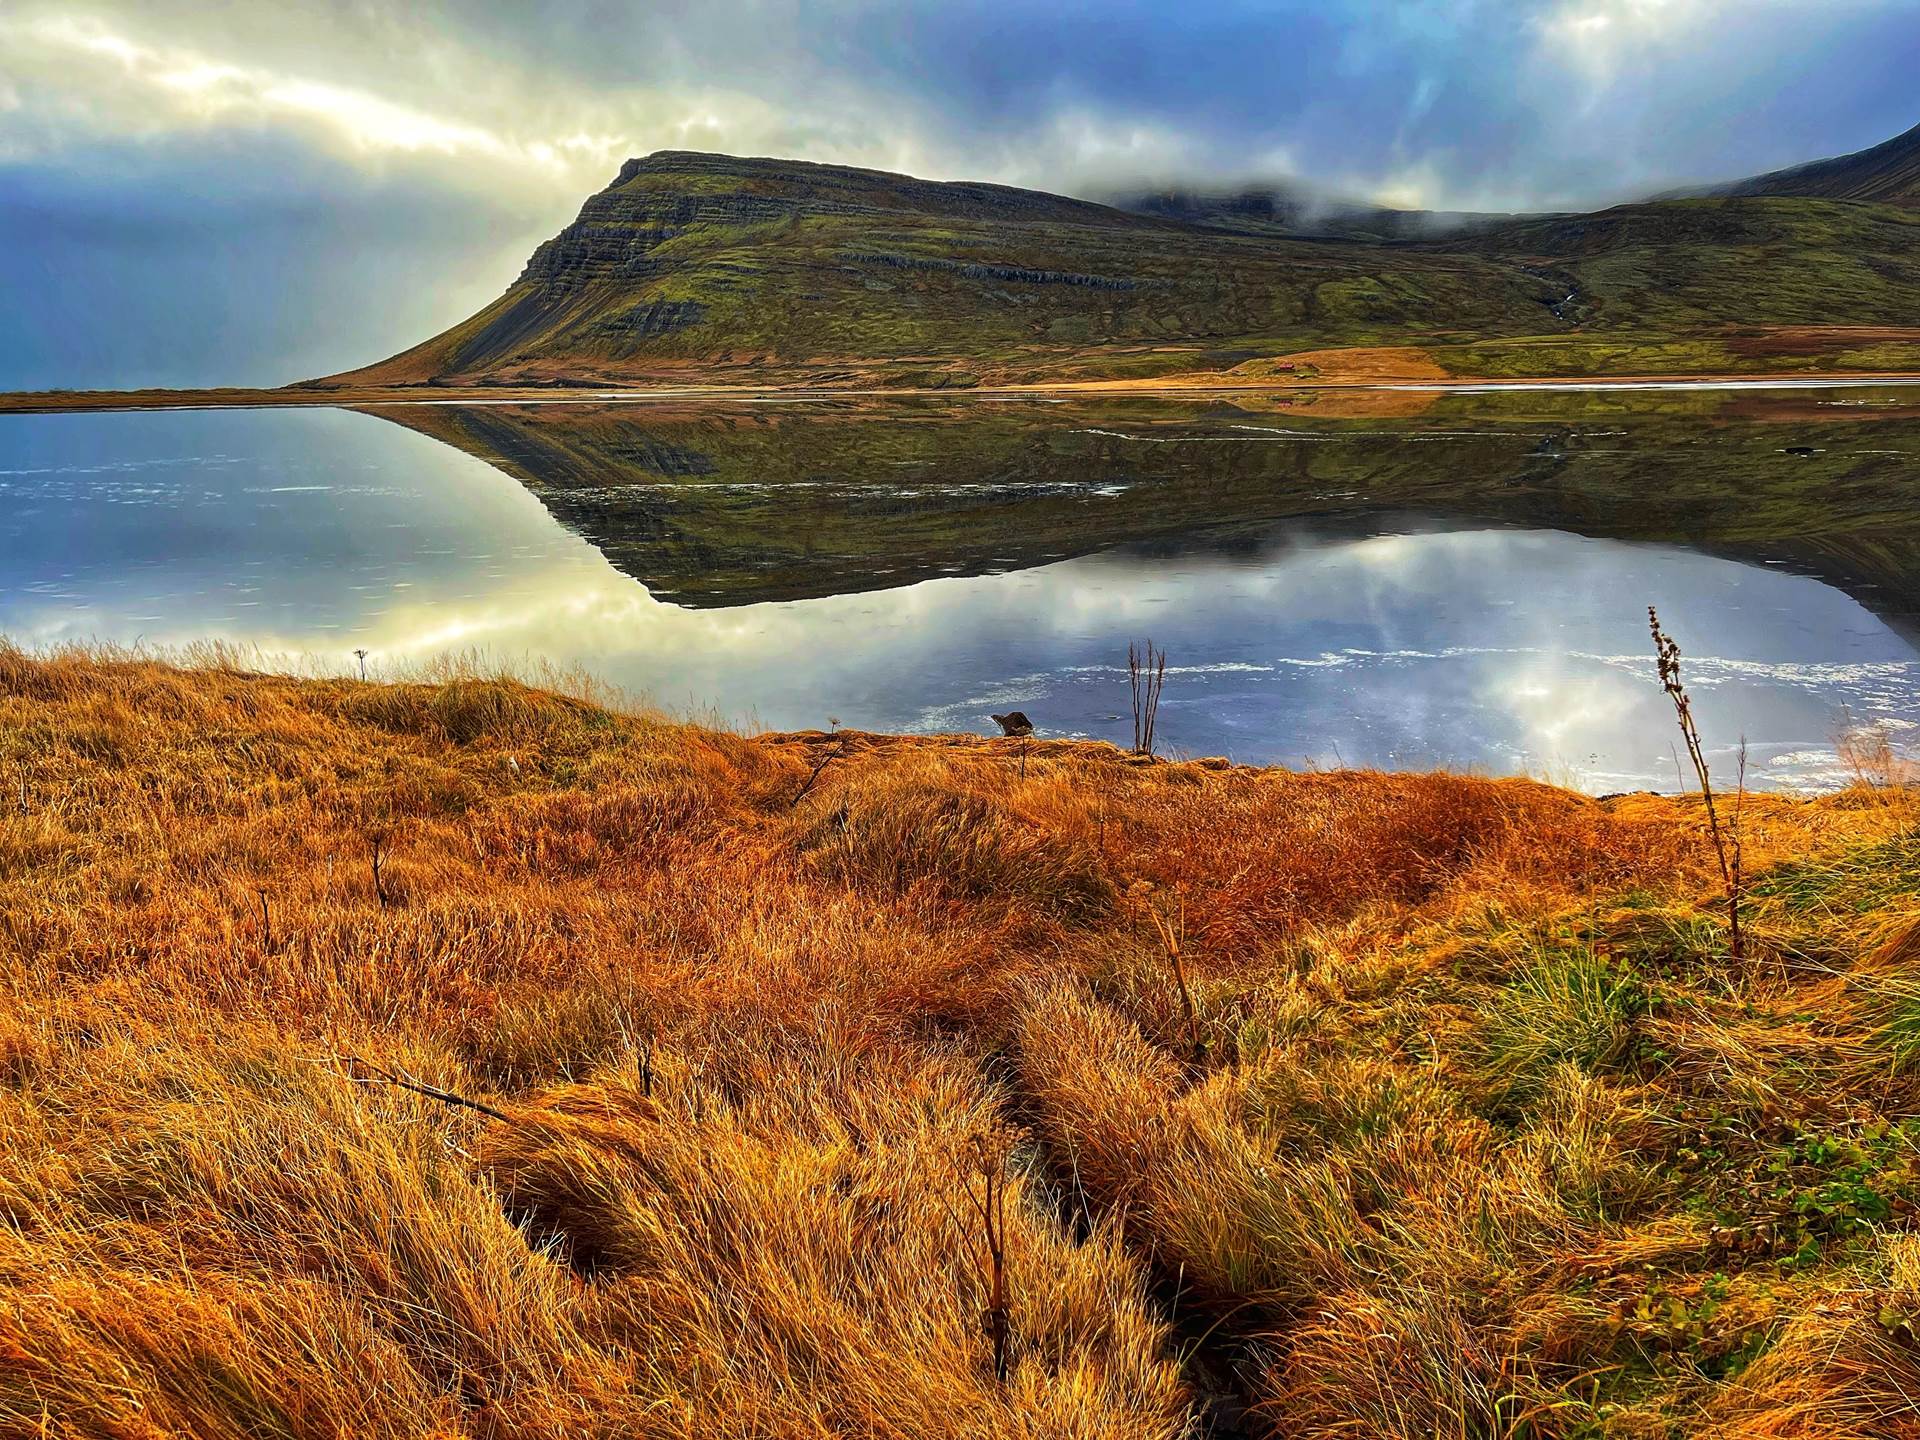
x=62, y=401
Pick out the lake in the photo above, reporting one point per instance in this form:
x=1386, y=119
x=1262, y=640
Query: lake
x=1390, y=580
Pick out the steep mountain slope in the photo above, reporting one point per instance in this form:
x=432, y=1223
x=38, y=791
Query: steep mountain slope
x=1886, y=174
x=693, y=267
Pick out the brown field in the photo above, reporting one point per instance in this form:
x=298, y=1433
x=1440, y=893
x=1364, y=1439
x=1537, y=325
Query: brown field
x=1820, y=339
x=1317, y=1104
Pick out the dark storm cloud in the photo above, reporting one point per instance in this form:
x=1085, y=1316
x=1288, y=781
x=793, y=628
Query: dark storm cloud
x=191, y=193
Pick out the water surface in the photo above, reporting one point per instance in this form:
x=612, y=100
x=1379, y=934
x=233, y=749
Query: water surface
x=915, y=572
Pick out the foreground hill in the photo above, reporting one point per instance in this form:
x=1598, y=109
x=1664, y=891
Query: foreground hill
x=461, y=1059
x=693, y=267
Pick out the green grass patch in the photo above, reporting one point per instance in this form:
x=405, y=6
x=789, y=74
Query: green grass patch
x=1570, y=1007
x=1872, y=878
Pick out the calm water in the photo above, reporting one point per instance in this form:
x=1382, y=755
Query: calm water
x=1395, y=638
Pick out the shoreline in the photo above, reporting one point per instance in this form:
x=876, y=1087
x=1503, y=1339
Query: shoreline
x=213, y=664
x=241, y=398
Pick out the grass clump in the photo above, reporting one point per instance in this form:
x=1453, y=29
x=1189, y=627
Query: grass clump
x=1898, y=997
x=1566, y=1009
x=962, y=835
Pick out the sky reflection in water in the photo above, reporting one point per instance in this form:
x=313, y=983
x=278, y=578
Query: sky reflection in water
x=313, y=533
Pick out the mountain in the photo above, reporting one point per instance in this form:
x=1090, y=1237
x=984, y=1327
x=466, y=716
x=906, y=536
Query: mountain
x=694, y=268
x=695, y=265
x=1887, y=174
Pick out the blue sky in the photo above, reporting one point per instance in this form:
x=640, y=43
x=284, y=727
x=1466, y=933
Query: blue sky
x=203, y=193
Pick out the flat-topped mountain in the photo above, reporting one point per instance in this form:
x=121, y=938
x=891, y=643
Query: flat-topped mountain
x=695, y=185
x=693, y=267
x=689, y=265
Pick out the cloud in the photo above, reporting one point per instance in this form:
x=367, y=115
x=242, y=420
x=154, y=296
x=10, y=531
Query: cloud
x=500, y=118
x=1597, y=38
x=111, y=83
x=1064, y=95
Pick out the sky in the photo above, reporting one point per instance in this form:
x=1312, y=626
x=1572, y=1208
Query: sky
x=250, y=193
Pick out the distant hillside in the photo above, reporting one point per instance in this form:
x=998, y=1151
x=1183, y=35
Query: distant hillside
x=1708, y=267
x=1887, y=174
x=692, y=268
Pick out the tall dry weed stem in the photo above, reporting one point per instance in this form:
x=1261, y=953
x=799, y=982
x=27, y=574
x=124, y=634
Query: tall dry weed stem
x=1170, y=930
x=1667, y=653
x=989, y=1245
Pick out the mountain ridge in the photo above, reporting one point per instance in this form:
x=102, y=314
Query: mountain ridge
x=1883, y=174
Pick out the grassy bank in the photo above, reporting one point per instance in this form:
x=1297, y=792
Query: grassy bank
x=465, y=1059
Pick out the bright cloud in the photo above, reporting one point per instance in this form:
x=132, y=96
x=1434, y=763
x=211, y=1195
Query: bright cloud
x=159, y=88
x=1597, y=38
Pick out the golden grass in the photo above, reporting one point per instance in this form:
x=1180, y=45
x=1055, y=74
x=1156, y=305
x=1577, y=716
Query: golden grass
x=1487, y=1132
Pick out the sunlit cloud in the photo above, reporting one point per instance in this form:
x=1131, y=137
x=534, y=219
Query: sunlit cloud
x=156, y=88
x=1415, y=187
x=1595, y=39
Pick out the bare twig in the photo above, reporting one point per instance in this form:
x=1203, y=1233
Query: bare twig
x=1738, y=878
x=1146, y=675
x=990, y=1207
x=1172, y=933
x=266, y=925
x=819, y=766
x=379, y=1074
x=379, y=889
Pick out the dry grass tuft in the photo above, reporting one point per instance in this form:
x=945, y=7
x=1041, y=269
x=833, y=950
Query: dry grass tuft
x=1433, y=1105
